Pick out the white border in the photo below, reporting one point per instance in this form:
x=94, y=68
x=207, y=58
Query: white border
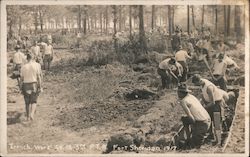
x=3, y=64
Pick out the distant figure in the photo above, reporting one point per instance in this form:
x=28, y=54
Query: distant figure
x=35, y=50
x=219, y=72
x=181, y=57
x=170, y=71
x=48, y=54
x=197, y=117
x=78, y=38
x=19, y=60
x=31, y=85
x=213, y=100
x=176, y=41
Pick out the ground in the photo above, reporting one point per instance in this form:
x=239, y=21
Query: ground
x=83, y=106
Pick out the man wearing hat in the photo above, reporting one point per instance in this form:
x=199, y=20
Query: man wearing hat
x=168, y=69
x=19, y=59
x=219, y=72
x=213, y=100
x=181, y=57
x=31, y=84
x=197, y=116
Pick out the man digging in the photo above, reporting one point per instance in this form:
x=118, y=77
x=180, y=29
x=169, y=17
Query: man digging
x=197, y=117
x=213, y=100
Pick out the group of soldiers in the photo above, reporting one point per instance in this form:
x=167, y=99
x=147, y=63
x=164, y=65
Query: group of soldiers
x=27, y=65
x=205, y=117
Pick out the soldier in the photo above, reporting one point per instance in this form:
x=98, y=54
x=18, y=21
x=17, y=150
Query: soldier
x=197, y=116
x=31, y=85
x=213, y=100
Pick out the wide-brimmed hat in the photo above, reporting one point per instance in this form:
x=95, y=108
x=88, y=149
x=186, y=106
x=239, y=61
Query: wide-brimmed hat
x=183, y=88
x=17, y=47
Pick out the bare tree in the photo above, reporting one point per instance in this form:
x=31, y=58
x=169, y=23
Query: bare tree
x=216, y=20
x=228, y=19
x=153, y=17
x=203, y=13
x=115, y=31
x=188, y=21
x=142, y=38
x=193, y=17
x=237, y=22
x=170, y=20
x=130, y=21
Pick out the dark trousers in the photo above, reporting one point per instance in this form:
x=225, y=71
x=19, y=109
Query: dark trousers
x=185, y=71
x=214, y=108
x=165, y=79
x=221, y=82
x=199, y=130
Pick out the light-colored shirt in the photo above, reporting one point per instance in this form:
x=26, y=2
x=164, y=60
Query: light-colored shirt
x=197, y=110
x=230, y=61
x=219, y=68
x=181, y=55
x=217, y=94
x=30, y=71
x=164, y=64
x=48, y=49
x=35, y=50
x=19, y=58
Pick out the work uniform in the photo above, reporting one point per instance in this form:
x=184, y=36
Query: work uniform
x=30, y=72
x=181, y=57
x=19, y=59
x=217, y=97
x=164, y=71
x=35, y=50
x=201, y=116
x=219, y=70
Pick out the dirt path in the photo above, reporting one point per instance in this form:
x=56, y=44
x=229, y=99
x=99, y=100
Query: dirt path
x=40, y=135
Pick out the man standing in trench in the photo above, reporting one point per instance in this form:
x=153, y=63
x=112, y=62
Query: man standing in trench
x=213, y=100
x=31, y=85
x=197, y=116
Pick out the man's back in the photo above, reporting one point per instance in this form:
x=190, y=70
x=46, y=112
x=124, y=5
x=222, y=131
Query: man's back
x=195, y=107
x=30, y=71
x=181, y=55
x=19, y=58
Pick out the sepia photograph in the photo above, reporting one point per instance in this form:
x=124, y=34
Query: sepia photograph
x=127, y=79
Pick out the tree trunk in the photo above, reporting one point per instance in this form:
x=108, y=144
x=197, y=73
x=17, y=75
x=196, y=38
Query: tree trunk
x=130, y=21
x=202, y=18
x=115, y=21
x=120, y=18
x=40, y=17
x=106, y=20
x=228, y=20
x=101, y=22
x=237, y=22
x=216, y=20
x=193, y=17
x=173, y=20
x=225, y=21
x=85, y=21
x=188, y=21
x=142, y=39
x=79, y=18
x=36, y=21
x=169, y=20
x=153, y=17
